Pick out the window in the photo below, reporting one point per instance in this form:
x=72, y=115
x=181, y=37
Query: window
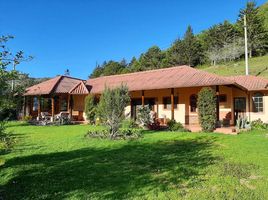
x=35, y=104
x=222, y=98
x=258, y=102
x=193, y=103
x=64, y=104
x=167, y=102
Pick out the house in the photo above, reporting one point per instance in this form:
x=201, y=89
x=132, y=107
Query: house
x=170, y=92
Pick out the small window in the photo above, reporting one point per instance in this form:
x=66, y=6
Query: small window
x=167, y=102
x=222, y=98
x=193, y=103
x=258, y=102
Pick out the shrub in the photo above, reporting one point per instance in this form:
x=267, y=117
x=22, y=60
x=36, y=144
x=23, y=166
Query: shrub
x=90, y=108
x=27, y=118
x=112, y=106
x=206, y=104
x=129, y=123
x=259, y=124
x=144, y=116
x=123, y=133
x=6, y=141
x=176, y=126
x=98, y=134
x=129, y=133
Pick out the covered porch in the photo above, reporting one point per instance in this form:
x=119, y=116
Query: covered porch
x=56, y=98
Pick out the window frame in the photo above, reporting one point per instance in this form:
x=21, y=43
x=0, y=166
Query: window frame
x=257, y=99
x=166, y=105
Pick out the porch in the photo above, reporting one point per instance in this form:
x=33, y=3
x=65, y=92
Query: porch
x=60, y=96
x=45, y=107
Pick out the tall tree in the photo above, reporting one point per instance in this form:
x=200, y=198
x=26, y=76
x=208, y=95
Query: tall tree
x=191, y=48
x=257, y=35
x=152, y=59
x=7, y=98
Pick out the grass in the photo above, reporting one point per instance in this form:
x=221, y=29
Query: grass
x=257, y=66
x=59, y=163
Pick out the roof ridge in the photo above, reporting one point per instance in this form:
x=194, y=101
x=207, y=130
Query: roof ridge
x=140, y=72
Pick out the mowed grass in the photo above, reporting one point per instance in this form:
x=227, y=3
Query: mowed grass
x=59, y=163
x=257, y=66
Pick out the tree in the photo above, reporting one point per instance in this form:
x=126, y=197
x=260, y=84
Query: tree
x=7, y=98
x=257, y=35
x=112, y=106
x=206, y=105
x=97, y=72
x=90, y=108
x=152, y=59
x=191, y=48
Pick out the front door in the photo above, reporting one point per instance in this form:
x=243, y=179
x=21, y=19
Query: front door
x=239, y=107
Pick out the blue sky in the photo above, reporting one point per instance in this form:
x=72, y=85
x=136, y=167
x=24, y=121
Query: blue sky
x=75, y=34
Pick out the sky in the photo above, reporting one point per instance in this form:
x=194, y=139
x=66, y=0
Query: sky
x=77, y=34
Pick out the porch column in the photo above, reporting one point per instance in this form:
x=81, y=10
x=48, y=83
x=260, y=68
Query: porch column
x=52, y=109
x=68, y=103
x=217, y=103
x=39, y=108
x=142, y=97
x=71, y=106
x=172, y=103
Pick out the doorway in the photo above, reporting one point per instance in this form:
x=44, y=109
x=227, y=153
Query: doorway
x=239, y=107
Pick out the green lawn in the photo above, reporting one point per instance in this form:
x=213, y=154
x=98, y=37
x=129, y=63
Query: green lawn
x=59, y=163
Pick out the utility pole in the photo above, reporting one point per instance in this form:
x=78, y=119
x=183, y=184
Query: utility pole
x=246, y=44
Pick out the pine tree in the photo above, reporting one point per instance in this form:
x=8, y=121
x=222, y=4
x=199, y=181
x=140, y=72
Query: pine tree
x=257, y=35
x=191, y=48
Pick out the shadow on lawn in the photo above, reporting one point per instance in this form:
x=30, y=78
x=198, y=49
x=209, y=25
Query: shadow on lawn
x=125, y=172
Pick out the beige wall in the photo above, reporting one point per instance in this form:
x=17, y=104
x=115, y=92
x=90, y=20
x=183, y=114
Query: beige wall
x=184, y=115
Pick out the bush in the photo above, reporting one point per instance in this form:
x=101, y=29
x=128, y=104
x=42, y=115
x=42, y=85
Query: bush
x=123, y=133
x=259, y=124
x=129, y=123
x=98, y=134
x=111, y=108
x=27, y=118
x=90, y=108
x=176, y=126
x=6, y=141
x=144, y=116
x=206, y=104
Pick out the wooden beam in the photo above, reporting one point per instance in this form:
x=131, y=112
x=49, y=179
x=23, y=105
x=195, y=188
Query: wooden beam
x=172, y=103
x=52, y=109
x=71, y=106
x=142, y=97
x=68, y=105
x=218, y=103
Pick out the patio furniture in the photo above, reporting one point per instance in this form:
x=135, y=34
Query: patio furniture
x=62, y=114
x=45, y=116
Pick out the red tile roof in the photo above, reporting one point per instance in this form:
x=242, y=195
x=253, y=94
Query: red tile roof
x=251, y=83
x=173, y=77
x=57, y=85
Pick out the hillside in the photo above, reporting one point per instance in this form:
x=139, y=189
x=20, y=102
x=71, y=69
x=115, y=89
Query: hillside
x=257, y=66
x=263, y=10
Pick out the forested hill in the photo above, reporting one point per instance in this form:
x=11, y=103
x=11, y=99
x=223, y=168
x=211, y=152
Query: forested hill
x=220, y=44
